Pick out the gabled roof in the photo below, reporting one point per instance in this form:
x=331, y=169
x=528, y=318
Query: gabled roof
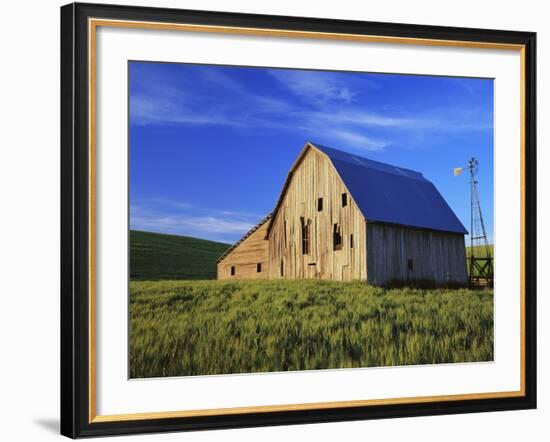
x=246, y=235
x=386, y=193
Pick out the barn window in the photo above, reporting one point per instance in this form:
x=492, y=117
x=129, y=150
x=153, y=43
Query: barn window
x=344, y=199
x=337, y=237
x=305, y=225
x=258, y=267
x=409, y=265
x=351, y=241
x=232, y=270
x=282, y=269
x=319, y=204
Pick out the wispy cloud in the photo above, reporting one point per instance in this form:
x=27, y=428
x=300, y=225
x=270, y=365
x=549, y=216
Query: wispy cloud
x=168, y=216
x=190, y=225
x=356, y=139
x=325, y=107
x=151, y=202
x=469, y=86
x=317, y=87
x=158, y=102
x=146, y=109
x=365, y=118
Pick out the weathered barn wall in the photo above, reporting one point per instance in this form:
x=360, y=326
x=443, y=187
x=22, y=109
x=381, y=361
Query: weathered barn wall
x=246, y=257
x=436, y=256
x=380, y=253
x=315, y=177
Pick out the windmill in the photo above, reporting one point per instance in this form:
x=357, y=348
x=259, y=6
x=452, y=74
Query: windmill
x=480, y=261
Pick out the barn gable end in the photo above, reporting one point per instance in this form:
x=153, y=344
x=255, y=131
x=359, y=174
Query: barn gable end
x=316, y=204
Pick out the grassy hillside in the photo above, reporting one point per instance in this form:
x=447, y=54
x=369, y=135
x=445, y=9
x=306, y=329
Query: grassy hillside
x=155, y=256
x=479, y=250
x=182, y=328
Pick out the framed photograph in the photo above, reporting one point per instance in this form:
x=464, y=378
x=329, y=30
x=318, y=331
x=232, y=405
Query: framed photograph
x=274, y=220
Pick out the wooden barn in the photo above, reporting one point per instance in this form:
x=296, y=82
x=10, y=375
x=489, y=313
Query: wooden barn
x=343, y=217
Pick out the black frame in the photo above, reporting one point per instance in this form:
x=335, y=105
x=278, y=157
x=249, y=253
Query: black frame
x=75, y=219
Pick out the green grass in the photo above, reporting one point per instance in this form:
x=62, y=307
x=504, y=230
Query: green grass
x=479, y=251
x=181, y=328
x=155, y=256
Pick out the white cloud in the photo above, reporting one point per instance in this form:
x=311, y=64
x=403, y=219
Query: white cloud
x=145, y=110
x=161, y=103
x=320, y=87
x=373, y=119
x=356, y=140
x=167, y=216
x=329, y=110
x=188, y=224
x=164, y=202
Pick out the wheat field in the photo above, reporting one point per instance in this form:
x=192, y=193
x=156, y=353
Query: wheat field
x=184, y=328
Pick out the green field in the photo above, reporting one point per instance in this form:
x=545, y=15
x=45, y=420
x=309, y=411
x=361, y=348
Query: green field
x=181, y=328
x=155, y=256
x=479, y=251
x=199, y=327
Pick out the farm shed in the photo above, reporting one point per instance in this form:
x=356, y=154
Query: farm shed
x=343, y=217
x=247, y=258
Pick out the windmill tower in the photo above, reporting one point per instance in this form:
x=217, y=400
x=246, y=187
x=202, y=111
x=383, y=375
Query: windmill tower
x=480, y=259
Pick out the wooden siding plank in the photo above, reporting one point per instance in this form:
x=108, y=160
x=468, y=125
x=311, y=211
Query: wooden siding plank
x=246, y=256
x=315, y=177
x=436, y=256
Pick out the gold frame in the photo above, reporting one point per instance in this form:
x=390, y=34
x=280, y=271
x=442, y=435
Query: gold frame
x=93, y=24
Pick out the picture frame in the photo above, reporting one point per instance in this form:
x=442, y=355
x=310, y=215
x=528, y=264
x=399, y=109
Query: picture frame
x=79, y=353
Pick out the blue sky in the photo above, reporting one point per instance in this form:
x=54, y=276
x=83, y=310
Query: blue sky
x=210, y=146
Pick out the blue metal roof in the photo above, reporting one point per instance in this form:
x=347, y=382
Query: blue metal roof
x=390, y=194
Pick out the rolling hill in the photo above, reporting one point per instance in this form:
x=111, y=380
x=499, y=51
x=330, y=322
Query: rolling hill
x=479, y=251
x=155, y=256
